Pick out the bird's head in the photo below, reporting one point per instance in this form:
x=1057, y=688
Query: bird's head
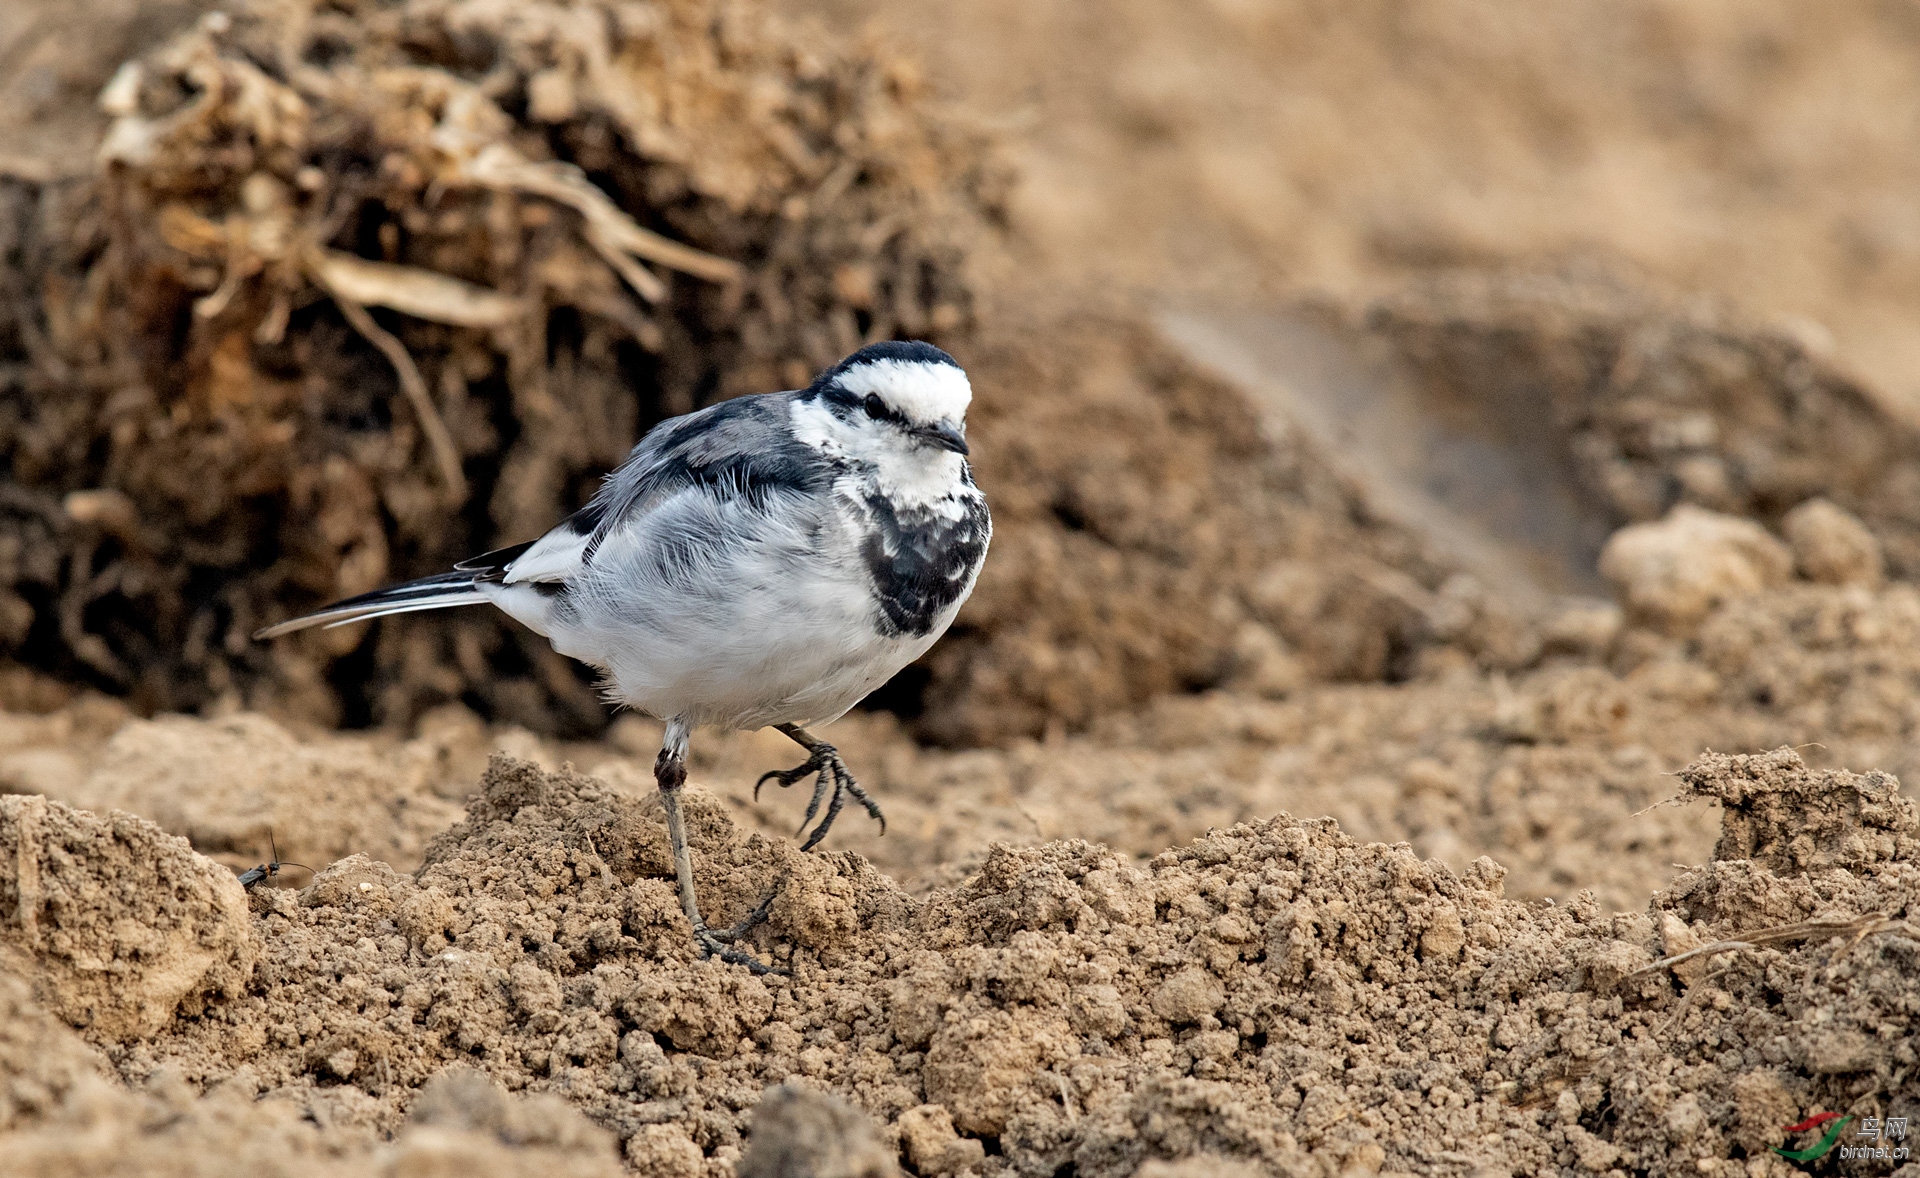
x=897, y=406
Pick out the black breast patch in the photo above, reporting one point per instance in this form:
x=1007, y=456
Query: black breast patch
x=920, y=563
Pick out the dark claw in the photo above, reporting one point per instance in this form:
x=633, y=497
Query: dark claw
x=872, y=807
x=720, y=944
x=785, y=777
x=833, y=811
x=833, y=777
x=711, y=946
x=753, y=920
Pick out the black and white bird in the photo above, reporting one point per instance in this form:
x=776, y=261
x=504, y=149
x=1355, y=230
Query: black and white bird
x=766, y=561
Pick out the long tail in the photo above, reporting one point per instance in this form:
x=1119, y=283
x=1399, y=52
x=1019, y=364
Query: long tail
x=436, y=592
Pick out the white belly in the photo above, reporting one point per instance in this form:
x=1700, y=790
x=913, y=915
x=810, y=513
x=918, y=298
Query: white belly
x=774, y=625
x=781, y=656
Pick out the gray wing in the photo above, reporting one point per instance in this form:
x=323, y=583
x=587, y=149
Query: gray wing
x=741, y=448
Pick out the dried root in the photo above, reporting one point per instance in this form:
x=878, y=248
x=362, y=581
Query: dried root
x=1858, y=927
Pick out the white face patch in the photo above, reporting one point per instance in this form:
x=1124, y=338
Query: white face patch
x=924, y=393
x=903, y=469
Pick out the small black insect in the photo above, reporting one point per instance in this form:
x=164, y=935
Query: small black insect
x=252, y=877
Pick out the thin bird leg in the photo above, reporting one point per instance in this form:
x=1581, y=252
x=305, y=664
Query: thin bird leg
x=824, y=759
x=670, y=773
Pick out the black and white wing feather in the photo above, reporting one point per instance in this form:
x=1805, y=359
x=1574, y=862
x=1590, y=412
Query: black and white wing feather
x=742, y=447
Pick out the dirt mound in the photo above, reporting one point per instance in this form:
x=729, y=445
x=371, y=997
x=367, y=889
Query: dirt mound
x=1654, y=399
x=117, y=924
x=1790, y=970
x=364, y=289
x=1275, y=992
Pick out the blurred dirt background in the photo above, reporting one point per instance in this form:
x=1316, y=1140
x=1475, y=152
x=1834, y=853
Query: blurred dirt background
x=1445, y=419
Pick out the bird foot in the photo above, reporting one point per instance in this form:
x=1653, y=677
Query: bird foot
x=834, y=776
x=719, y=942
x=751, y=921
x=711, y=945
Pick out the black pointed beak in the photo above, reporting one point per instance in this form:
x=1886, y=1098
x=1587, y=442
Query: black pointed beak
x=944, y=436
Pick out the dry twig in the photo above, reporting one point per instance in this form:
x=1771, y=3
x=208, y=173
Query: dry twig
x=1861, y=927
x=614, y=234
x=415, y=386
x=424, y=294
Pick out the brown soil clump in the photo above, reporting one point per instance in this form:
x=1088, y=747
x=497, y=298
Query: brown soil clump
x=117, y=924
x=1795, y=976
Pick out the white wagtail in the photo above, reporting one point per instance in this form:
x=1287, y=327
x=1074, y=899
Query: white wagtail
x=768, y=560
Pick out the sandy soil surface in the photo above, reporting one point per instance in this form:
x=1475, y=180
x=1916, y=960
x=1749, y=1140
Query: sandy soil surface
x=1354, y=759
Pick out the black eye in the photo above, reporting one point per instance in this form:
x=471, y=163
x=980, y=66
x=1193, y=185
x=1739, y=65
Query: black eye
x=876, y=408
